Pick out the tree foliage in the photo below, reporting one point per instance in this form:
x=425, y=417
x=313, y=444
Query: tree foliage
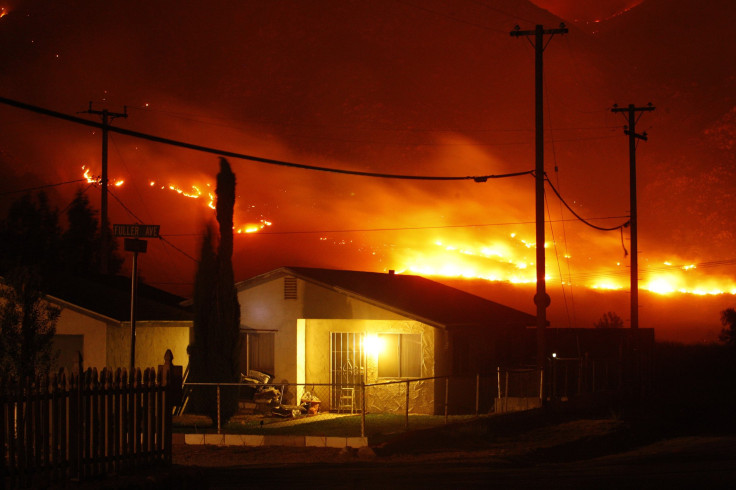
x=728, y=333
x=37, y=257
x=31, y=236
x=216, y=309
x=609, y=320
x=81, y=247
x=27, y=325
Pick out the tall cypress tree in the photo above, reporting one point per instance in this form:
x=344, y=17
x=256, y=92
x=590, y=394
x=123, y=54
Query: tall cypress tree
x=217, y=312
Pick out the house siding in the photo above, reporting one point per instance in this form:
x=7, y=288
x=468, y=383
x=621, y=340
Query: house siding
x=94, y=347
x=321, y=311
x=263, y=307
x=152, y=339
x=382, y=398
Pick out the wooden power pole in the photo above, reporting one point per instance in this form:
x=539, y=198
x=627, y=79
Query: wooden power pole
x=630, y=130
x=107, y=116
x=541, y=298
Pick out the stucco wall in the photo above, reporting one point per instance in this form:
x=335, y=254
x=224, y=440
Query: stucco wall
x=72, y=322
x=382, y=398
x=324, y=310
x=152, y=339
x=263, y=307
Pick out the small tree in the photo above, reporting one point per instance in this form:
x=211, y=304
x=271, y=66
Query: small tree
x=27, y=325
x=610, y=320
x=216, y=310
x=728, y=334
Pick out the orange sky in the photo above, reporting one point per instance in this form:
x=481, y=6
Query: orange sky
x=436, y=88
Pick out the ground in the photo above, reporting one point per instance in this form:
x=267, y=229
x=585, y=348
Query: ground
x=585, y=453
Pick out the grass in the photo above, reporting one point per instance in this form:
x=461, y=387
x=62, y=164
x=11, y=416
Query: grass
x=348, y=426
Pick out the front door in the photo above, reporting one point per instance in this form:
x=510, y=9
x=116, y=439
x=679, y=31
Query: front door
x=347, y=370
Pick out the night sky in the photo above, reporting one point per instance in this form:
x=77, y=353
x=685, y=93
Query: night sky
x=415, y=87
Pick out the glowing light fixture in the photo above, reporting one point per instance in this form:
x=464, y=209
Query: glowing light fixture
x=372, y=344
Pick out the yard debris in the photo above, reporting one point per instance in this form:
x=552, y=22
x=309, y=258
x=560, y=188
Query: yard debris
x=310, y=403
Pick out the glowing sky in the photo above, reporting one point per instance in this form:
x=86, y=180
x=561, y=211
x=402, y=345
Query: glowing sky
x=412, y=87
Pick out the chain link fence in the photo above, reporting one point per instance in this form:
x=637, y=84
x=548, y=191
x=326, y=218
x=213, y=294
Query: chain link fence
x=440, y=396
x=509, y=389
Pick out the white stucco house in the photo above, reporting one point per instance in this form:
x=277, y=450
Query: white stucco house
x=95, y=321
x=339, y=327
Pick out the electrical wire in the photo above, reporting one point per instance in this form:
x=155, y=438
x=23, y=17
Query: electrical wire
x=580, y=218
x=242, y=156
x=552, y=229
x=409, y=228
x=29, y=189
x=84, y=191
x=163, y=239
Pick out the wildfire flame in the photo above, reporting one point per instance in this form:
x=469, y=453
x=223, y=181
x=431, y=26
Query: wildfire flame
x=512, y=261
x=195, y=192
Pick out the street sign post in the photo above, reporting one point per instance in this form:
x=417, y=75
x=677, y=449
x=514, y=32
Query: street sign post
x=132, y=235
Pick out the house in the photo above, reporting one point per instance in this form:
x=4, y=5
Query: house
x=95, y=321
x=312, y=327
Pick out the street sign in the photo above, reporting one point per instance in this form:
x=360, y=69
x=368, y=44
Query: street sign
x=136, y=231
x=135, y=245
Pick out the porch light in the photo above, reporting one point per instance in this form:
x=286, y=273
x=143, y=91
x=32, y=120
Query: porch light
x=373, y=345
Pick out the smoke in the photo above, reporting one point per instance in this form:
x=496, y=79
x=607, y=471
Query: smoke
x=390, y=89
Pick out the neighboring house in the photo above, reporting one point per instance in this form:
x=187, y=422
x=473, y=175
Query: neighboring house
x=312, y=326
x=95, y=321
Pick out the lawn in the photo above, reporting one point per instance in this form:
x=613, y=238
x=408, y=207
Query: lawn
x=346, y=426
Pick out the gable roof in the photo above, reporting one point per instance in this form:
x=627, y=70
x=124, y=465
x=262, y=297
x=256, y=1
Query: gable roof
x=412, y=296
x=109, y=296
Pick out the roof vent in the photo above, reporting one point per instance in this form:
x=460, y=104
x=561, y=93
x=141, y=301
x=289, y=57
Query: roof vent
x=290, y=287
x=391, y=272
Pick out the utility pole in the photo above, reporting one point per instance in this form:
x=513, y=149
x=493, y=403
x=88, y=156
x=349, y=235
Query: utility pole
x=541, y=299
x=107, y=116
x=630, y=130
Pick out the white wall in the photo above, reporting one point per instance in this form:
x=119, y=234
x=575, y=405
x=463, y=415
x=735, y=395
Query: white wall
x=94, y=330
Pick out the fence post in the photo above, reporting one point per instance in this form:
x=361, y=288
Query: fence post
x=498, y=387
x=76, y=420
x=406, y=422
x=541, y=386
x=477, y=393
x=171, y=379
x=362, y=412
x=447, y=397
x=219, y=427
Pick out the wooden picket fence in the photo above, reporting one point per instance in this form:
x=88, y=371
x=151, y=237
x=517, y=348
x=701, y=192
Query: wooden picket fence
x=85, y=424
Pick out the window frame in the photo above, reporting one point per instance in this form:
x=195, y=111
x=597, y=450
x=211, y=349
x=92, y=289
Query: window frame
x=401, y=338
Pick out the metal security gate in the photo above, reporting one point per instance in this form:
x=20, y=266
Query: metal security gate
x=347, y=370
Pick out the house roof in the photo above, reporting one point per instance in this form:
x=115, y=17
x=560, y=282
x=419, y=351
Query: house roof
x=109, y=296
x=412, y=296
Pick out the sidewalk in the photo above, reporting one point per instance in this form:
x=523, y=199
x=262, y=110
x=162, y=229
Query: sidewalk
x=280, y=440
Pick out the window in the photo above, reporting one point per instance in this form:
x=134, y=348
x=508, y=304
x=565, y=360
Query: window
x=259, y=352
x=400, y=356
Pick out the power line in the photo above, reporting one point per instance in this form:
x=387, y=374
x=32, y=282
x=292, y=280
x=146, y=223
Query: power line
x=233, y=124
x=580, y=218
x=141, y=221
x=29, y=189
x=413, y=228
x=242, y=156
